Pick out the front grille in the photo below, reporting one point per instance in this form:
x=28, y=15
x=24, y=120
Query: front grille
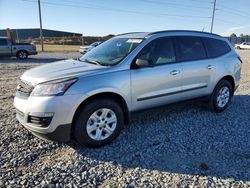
x=40, y=121
x=24, y=89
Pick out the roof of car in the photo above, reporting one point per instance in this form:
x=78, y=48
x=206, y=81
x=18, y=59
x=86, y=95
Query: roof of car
x=133, y=35
x=147, y=34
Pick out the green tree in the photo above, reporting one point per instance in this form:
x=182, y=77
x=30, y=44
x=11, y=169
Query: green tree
x=233, y=35
x=242, y=35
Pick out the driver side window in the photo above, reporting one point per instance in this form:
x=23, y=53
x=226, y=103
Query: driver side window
x=159, y=51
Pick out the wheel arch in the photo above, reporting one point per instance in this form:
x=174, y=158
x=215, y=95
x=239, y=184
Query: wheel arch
x=108, y=95
x=230, y=79
x=19, y=50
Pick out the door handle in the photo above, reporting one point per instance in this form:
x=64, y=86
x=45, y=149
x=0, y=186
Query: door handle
x=174, y=72
x=210, y=67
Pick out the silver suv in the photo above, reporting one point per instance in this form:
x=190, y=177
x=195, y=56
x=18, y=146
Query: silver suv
x=90, y=99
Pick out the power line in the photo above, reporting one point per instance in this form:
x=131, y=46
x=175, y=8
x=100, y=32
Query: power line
x=118, y=10
x=226, y=21
x=81, y=5
x=234, y=13
x=174, y=4
x=202, y=1
x=234, y=10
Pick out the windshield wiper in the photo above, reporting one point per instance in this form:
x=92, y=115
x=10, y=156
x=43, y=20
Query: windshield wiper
x=90, y=61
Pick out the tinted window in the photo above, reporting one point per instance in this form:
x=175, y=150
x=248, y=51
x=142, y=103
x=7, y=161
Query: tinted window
x=190, y=48
x=3, y=42
x=159, y=51
x=215, y=47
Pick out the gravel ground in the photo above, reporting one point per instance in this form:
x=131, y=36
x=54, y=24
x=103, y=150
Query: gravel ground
x=42, y=57
x=175, y=146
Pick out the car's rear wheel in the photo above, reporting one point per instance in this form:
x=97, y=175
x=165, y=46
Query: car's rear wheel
x=221, y=96
x=22, y=54
x=98, y=123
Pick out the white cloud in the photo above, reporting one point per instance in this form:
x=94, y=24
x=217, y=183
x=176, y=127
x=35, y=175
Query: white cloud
x=232, y=29
x=236, y=29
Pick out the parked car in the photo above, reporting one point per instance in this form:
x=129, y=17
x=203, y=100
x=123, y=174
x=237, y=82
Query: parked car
x=85, y=49
x=243, y=46
x=20, y=50
x=93, y=97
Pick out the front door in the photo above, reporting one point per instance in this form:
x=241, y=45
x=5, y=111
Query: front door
x=161, y=83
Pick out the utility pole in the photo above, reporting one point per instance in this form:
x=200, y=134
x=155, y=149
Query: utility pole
x=214, y=8
x=41, y=28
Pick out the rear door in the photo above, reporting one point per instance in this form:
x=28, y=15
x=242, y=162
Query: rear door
x=160, y=84
x=5, y=48
x=197, y=68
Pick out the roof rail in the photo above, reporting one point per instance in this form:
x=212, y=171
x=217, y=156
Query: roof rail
x=129, y=33
x=191, y=31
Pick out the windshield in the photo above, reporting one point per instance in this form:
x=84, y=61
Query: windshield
x=111, y=52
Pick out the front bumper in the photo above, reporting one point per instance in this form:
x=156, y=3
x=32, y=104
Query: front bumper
x=62, y=107
x=60, y=134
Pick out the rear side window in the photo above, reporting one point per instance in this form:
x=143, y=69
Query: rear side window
x=3, y=42
x=190, y=48
x=215, y=47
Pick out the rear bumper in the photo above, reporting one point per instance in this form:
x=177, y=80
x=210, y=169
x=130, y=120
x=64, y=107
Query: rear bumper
x=32, y=52
x=236, y=87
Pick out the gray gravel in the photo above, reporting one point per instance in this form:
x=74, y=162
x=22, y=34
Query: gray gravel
x=175, y=146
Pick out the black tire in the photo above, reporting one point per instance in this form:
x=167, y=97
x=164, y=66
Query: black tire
x=80, y=123
x=213, y=99
x=22, y=54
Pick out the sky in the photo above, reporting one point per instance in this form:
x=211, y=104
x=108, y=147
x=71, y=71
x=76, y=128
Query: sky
x=102, y=17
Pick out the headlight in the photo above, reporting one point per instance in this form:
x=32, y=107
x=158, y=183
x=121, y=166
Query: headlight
x=52, y=88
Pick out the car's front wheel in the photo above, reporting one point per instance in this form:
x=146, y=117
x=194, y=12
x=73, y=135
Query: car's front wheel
x=221, y=96
x=98, y=123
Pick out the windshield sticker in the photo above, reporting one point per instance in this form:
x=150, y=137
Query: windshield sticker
x=134, y=40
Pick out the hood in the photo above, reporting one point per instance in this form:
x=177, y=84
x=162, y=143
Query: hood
x=60, y=69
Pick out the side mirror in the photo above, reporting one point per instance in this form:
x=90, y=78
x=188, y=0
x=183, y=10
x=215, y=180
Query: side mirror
x=143, y=63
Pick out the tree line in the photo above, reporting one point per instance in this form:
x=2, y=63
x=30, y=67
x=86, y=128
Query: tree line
x=233, y=35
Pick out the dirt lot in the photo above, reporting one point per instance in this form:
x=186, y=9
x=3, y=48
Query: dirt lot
x=175, y=146
x=58, y=48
